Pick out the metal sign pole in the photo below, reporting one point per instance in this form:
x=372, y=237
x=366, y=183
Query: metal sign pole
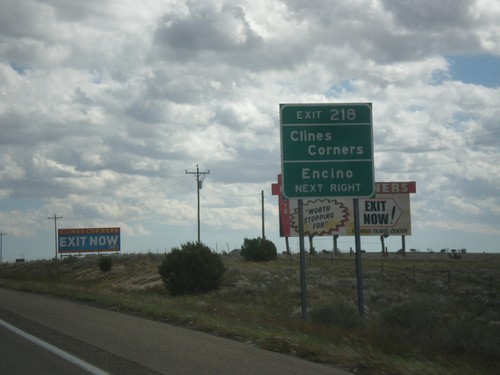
x=359, y=269
x=303, y=286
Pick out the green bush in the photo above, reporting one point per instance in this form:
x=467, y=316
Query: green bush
x=414, y=321
x=438, y=325
x=464, y=334
x=192, y=269
x=105, y=263
x=337, y=313
x=413, y=315
x=258, y=250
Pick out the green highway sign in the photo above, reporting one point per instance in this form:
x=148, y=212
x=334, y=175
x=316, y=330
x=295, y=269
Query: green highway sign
x=327, y=150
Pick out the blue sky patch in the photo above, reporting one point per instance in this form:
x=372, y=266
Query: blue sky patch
x=18, y=203
x=340, y=88
x=20, y=69
x=477, y=69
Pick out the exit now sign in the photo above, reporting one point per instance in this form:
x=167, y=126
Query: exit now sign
x=327, y=150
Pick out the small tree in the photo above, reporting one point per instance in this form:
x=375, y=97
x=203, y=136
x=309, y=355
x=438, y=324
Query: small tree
x=192, y=269
x=258, y=250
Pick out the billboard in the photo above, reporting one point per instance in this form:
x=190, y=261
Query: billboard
x=388, y=213
x=89, y=240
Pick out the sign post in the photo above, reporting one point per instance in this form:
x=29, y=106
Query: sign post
x=327, y=151
x=303, y=284
x=359, y=273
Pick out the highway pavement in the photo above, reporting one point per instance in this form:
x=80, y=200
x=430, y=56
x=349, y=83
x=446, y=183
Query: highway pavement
x=118, y=343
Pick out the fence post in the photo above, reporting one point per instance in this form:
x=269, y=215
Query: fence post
x=492, y=281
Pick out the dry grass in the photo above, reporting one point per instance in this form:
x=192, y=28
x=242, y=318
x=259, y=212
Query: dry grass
x=425, y=313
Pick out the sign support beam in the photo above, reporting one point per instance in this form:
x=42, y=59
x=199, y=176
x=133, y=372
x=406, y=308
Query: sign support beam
x=303, y=285
x=1, y=244
x=55, y=217
x=359, y=268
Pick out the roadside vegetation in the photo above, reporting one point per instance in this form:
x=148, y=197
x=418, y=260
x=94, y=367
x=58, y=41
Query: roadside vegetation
x=425, y=313
x=192, y=269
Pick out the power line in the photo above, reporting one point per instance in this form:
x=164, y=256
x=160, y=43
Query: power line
x=423, y=167
x=470, y=139
x=233, y=195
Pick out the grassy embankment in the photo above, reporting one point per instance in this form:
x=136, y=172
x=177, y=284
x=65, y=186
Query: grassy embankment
x=425, y=313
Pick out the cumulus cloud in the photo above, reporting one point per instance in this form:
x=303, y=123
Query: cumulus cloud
x=104, y=105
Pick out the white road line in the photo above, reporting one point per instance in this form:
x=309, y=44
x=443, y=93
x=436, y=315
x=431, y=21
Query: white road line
x=61, y=353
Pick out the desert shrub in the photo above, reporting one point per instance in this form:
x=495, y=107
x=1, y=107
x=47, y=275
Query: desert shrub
x=337, y=313
x=467, y=335
x=192, y=269
x=412, y=315
x=258, y=250
x=105, y=263
x=415, y=321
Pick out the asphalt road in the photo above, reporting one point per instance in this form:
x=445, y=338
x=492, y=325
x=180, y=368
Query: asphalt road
x=124, y=344
x=20, y=356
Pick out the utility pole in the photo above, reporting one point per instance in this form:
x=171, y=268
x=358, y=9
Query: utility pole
x=1, y=240
x=55, y=217
x=199, y=184
x=263, y=228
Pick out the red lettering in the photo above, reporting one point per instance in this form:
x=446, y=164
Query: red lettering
x=395, y=187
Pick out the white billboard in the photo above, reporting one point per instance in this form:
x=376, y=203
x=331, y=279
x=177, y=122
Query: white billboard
x=387, y=213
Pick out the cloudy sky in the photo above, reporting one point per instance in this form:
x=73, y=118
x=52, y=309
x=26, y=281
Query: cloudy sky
x=106, y=104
